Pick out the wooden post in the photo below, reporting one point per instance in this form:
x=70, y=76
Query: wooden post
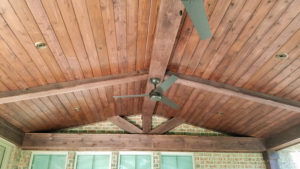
x=271, y=159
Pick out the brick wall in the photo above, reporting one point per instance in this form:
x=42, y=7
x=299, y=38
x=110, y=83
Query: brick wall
x=108, y=127
x=204, y=160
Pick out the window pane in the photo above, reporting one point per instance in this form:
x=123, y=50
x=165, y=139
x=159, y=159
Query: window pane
x=44, y=161
x=2, y=152
x=168, y=162
x=143, y=162
x=57, y=162
x=40, y=162
x=101, y=162
x=127, y=161
x=184, y=162
x=84, y=162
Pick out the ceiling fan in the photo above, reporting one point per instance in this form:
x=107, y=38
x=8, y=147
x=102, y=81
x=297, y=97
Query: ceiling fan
x=196, y=11
x=157, y=93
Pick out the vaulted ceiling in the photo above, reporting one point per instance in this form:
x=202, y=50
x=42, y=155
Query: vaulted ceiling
x=106, y=38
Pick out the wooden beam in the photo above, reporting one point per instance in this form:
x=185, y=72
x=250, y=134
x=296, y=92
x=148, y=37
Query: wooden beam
x=271, y=159
x=71, y=86
x=11, y=133
x=125, y=125
x=168, y=25
x=140, y=142
x=168, y=125
x=228, y=90
x=284, y=139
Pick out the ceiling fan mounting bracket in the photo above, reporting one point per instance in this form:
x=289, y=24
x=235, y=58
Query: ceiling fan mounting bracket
x=155, y=81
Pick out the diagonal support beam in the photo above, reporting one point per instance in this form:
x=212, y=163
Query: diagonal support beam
x=284, y=139
x=71, y=86
x=125, y=125
x=228, y=90
x=168, y=25
x=11, y=133
x=169, y=125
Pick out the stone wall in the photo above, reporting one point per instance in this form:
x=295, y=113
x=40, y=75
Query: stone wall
x=203, y=160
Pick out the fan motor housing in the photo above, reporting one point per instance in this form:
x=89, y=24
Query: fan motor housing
x=155, y=95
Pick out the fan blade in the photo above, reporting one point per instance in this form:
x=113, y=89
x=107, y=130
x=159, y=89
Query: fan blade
x=128, y=96
x=196, y=11
x=169, y=102
x=168, y=83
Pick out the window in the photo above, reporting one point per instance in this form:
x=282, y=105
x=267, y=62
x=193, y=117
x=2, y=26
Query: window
x=92, y=160
x=5, y=149
x=48, y=160
x=176, y=161
x=135, y=160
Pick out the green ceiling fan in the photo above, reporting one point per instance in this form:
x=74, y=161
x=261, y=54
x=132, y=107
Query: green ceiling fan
x=157, y=93
x=196, y=11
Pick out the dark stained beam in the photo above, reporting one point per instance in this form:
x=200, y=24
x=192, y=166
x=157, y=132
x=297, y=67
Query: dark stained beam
x=271, y=159
x=71, y=86
x=11, y=133
x=228, y=90
x=168, y=25
x=140, y=142
x=168, y=125
x=125, y=125
x=284, y=139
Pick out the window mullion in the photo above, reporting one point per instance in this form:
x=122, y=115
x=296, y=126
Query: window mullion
x=49, y=162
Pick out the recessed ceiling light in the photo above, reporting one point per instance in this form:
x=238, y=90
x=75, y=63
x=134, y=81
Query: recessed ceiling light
x=282, y=55
x=219, y=113
x=40, y=45
x=77, y=108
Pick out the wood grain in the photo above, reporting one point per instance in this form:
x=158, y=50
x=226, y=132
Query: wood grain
x=168, y=23
x=67, y=87
x=139, y=142
x=125, y=125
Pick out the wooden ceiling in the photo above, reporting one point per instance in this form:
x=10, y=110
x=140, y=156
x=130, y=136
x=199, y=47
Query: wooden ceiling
x=96, y=38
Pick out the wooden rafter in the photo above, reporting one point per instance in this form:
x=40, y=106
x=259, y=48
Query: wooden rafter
x=168, y=24
x=67, y=87
x=11, y=133
x=284, y=139
x=228, y=90
x=140, y=142
x=168, y=125
x=125, y=125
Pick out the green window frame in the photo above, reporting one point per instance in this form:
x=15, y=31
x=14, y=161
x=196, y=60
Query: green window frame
x=5, y=152
x=93, y=160
x=135, y=160
x=177, y=161
x=48, y=160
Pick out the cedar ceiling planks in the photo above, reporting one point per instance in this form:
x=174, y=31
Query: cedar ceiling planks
x=201, y=108
x=246, y=37
x=60, y=111
x=94, y=38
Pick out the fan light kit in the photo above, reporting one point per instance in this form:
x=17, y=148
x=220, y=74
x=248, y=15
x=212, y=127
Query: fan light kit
x=157, y=93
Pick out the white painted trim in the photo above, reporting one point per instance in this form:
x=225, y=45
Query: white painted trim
x=135, y=153
x=48, y=153
x=178, y=154
x=93, y=153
